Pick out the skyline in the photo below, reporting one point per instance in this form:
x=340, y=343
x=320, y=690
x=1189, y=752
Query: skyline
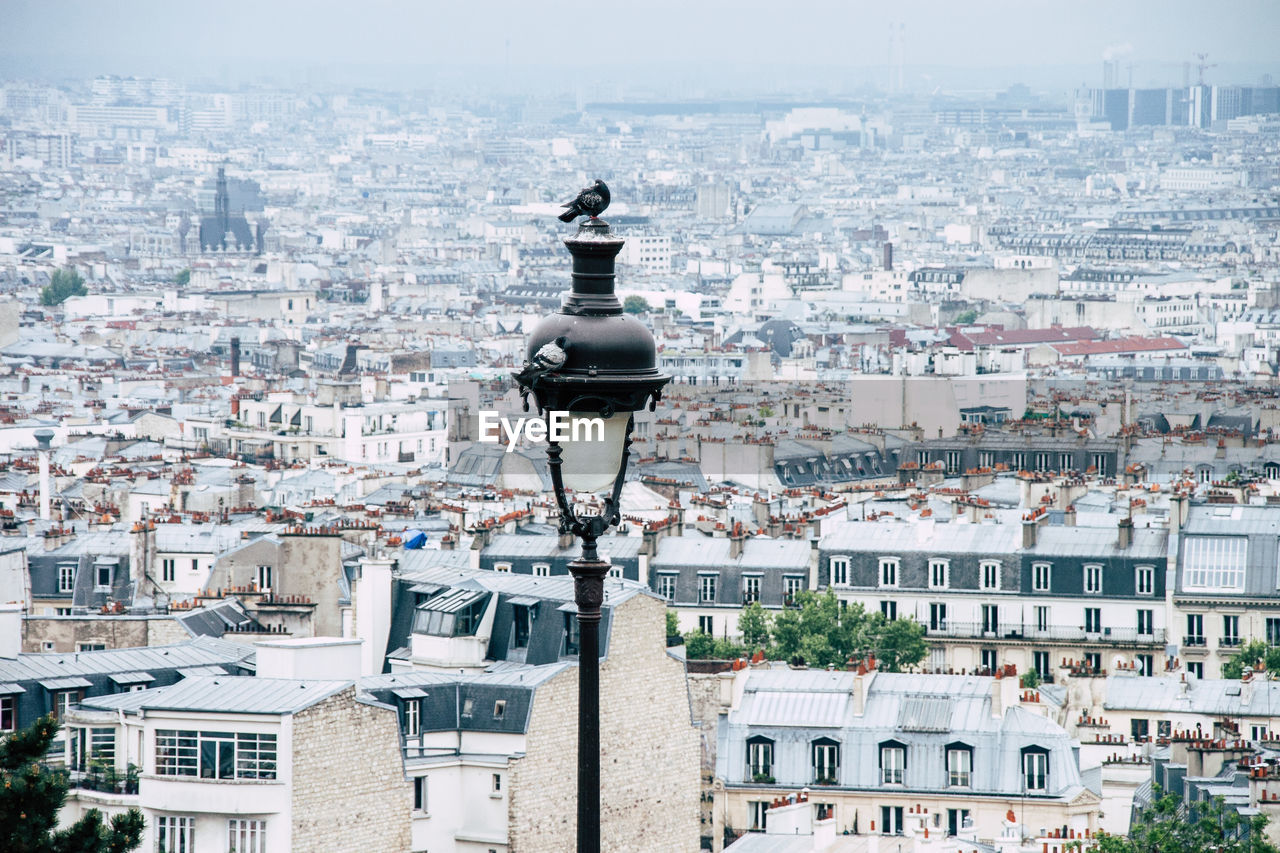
x=760, y=48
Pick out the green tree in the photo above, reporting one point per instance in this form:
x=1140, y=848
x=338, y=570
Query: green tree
x=183, y=278
x=32, y=795
x=1249, y=655
x=966, y=317
x=899, y=643
x=753, y=624
x=673, y=624
x=699, y=645
x=635, y=304
x=65, y=283
x=1208, y=825
x=1030, y=679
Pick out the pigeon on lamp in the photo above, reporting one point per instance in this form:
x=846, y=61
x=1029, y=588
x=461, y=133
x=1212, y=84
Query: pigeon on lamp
x=590, y=202
x=550, y=356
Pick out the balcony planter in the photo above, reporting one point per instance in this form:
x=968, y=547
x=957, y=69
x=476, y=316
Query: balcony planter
x=763, y=779
x=825, y=780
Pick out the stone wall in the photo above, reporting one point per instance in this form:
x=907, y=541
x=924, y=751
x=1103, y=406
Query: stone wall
x=650, y=751
x=349, y=789
x=114, y=632
x=704, y=697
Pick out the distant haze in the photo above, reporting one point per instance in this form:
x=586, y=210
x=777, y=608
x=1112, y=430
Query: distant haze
x=689, y=47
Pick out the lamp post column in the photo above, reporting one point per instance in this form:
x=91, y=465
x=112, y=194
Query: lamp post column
x=589, y=573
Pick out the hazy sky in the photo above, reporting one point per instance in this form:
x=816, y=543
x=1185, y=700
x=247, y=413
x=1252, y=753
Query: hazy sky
x=693, y=37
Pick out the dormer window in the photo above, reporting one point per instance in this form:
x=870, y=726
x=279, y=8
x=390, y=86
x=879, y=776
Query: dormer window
x=1035, y=769
x=893, y=762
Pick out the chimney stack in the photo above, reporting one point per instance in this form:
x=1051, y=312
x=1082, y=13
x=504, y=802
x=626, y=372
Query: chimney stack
x=43, y=439
x=1029, y=533
x=1069, y=516
x=736, y=538
x=888, y=257
x=235, y=357
x=1004, y=690
x=1126, y=533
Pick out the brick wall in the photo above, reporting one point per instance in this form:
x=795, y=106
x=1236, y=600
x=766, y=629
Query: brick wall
x=650, y=751
x=349, y=790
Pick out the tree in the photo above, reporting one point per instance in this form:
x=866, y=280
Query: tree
x=32, y=795
x=1249, y=655
x=1207, y=825
x=1030, y=679
x=183, y=277
x=699, y=645
x=819, y=632
x=966, y=317
x=673, y=624
x=635, y=304
x=65, y=283
x=899, y=643
x=753, y=624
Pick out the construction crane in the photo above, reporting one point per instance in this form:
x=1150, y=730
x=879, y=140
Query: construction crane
x=1203, y=66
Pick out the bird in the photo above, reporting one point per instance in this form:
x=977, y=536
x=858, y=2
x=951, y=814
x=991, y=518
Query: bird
x=550, y=356
x=591, y=201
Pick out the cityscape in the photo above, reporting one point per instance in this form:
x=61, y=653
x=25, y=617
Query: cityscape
x=638, y=429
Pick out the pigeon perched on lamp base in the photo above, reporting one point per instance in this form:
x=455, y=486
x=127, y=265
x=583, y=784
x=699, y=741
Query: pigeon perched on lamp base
x=590, y=202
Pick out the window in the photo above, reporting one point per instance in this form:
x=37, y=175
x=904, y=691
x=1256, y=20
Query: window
x=939, y=574
x=102, y=576
x=1093, y=661
x=938, y=617
x=1035, y=769
x=953, y=461
x=1145, y=664
x=1093, y=620
x=1139, y=728
x=893, y=763
x=499, y=709
x=750, y=589
x=1146, y=580
x=988, y=657
x=888, y=571
x=521, y=625
x=8, y=714
x=167, y=569
x=791, y=584
x=957, y=820
x=1195, y=629
x=1164, y=728
x=1100, y=464
x=90, y=746
x=1065, y=462
x=264, y=577
x=246, y=836
x=1273, y=631
x=1040, y=577
x=989, y=575
x=195, y=564
x=759, y=812
x=420, y=793
x=1215, y=563
x=891, y=820
x=667, y=587
x=502, y=567
x=175, y=834
x=616, y=573
x=840, y=571
x=707, y=588
x=1093, y=579
x=826, y=761
x=412, y=717
x=759, y=759
x=497, y=783
x=215, y=755
x=1144, y=622
x=570, y=633
x=90, y=647
x=990, y=619
x=1040, y=662
x=63, y=700
x=889, y=609
x=959, y=766
x=706, y=625
x=541, y=570
x=1196, y=669
x=1230, y=630
x=1042, y=617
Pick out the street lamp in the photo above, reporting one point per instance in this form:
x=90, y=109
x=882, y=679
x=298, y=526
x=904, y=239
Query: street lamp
x=598, y=364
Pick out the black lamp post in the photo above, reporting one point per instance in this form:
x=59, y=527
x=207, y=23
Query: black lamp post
x=608, y=370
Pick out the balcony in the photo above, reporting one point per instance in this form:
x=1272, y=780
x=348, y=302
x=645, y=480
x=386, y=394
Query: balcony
x=1192, y=641
x=1229, y=642
x=1048, y=634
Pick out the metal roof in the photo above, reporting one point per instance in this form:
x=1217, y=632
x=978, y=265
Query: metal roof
x=925, y=714
x=226, y=695
x=132, y=677
x=199, y=651
x=69, y=683
x=713, y=552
